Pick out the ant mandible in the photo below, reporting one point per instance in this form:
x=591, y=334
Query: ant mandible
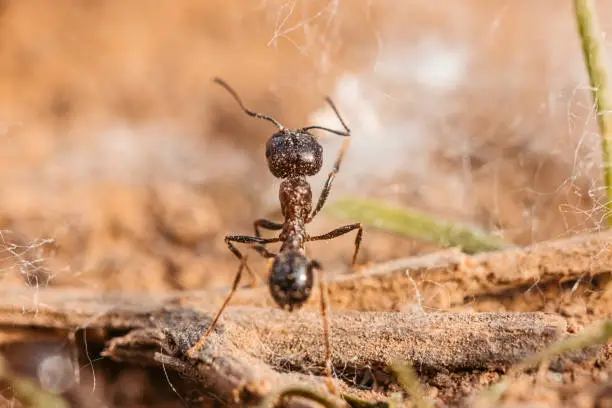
x=292, y=155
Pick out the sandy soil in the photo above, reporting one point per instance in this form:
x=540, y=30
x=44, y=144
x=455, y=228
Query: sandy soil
x=122, y=166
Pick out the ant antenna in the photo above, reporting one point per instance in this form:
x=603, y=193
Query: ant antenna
x=346, y=132
x=247, y=111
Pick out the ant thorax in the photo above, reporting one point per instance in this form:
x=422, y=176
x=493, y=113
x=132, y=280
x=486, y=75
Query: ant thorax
x=295, y=197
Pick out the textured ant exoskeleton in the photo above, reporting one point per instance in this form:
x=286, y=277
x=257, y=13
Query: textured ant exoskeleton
x=292, y=155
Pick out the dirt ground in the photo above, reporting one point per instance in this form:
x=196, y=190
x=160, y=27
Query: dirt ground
x=123, y=166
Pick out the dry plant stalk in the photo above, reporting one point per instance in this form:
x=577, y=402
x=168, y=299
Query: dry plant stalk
x=443, y=279
x=595, y=59
x=241, y=361
x=446, y=279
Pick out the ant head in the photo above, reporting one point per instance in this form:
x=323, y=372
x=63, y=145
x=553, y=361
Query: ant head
x=293, y=153
x=291, y=280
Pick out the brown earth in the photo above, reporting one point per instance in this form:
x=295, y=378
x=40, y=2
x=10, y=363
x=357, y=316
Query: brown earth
x=122, y=166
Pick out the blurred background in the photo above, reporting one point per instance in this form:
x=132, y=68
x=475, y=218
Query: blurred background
x=123, y=165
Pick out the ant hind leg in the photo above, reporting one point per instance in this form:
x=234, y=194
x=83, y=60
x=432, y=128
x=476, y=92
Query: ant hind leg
x=245, y=239
x=326, y=326
x=269, y=225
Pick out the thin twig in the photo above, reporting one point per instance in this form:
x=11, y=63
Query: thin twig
x=594, y=336
x=302, y=391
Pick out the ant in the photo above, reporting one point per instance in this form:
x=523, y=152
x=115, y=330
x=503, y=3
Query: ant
x=292, y=155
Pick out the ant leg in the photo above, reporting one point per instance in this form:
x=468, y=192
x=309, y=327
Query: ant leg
x=243, y=264
x=200, y=343
x=341, y=231
x=245, y=239
x=330, y=179
x=267, y=224
x=315, y=265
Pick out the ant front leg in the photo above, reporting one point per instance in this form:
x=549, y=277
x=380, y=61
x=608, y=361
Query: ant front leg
x=243, y=264
x=269, y=225
x=341, y=231
x=330, y=179
x=200, y=343
x=245, y=239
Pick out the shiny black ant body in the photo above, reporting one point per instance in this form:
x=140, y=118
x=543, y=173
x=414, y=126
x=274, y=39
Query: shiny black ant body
x=292, y=155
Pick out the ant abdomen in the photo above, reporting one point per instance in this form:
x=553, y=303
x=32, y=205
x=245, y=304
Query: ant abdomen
x=293, y=154
x=291, y=280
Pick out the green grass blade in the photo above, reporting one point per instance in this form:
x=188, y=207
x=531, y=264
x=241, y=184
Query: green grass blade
x=595, y=59
x=414, y=224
